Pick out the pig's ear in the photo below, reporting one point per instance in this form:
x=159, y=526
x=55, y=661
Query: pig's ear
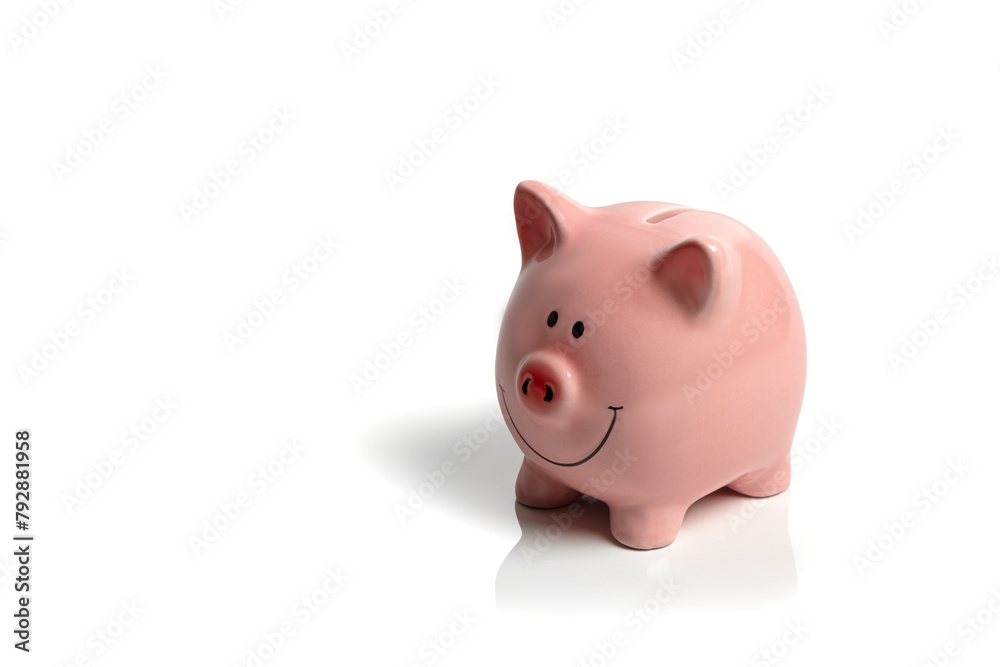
x=541, y=213
x=701, y=274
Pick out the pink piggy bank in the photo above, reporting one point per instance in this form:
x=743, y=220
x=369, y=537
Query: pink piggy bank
x=650, y=354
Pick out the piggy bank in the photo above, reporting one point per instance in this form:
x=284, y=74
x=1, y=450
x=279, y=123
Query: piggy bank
x=649, y=355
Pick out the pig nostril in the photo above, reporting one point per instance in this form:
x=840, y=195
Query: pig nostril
x=538, y=386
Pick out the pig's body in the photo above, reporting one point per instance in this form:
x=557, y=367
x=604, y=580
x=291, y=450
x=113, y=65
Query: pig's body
x=687, y=375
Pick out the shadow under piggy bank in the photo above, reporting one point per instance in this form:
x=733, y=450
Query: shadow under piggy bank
x=469, y=452
x=732, y=552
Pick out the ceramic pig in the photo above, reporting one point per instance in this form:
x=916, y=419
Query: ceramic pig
x=649, y=355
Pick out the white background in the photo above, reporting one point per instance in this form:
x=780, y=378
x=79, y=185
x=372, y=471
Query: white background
x=747, y=572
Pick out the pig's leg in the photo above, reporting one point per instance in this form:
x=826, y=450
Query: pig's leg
x=536, y=488
x=645, y=526
x=766, y=481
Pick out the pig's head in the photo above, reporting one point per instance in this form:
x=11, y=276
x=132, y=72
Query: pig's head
x=605, y=315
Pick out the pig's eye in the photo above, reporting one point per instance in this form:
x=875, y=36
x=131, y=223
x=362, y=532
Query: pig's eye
x=553, y=318
x=578, y=329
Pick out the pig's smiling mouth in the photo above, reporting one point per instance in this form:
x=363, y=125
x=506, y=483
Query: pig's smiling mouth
x=614, y=417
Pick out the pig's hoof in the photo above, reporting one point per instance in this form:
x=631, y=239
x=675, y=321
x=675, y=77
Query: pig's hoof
x=536, y=489
x=765, y=482
x=643, y=527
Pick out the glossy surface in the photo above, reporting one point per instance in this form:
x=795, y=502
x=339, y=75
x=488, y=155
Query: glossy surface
x=649, y=355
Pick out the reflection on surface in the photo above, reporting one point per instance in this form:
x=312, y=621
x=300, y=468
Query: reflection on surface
x=732, y=552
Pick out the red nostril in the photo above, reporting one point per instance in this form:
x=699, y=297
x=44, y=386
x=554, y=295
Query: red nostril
x=537, y=386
